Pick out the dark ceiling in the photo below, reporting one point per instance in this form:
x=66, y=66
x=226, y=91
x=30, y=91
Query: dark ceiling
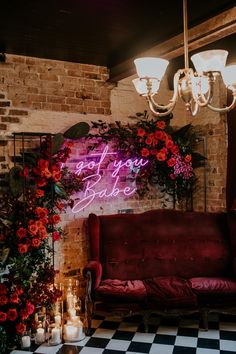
x=101, y=32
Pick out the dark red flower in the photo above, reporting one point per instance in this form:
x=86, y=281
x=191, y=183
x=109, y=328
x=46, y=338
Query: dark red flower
x=188, y=158
x=12, y=314
x=14, y=299
x=3, y=316
x=36, y=242
x=161, y=124
x=145, y=152
x=54, y=219
x=21, y=328
x=161, y=156
x=141, y=132
x=171, y=162
x=39, y=193
x=41, y=182
x=42, y=164
x=21, y=232
x=41, y=212
x=29, y=307
x=22, y=248
x=55, y=236
x=3, y=289
x=24, y=314
x=3, y=300
x=169, y=143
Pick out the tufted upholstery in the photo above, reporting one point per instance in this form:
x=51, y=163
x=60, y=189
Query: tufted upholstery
x=163, y=258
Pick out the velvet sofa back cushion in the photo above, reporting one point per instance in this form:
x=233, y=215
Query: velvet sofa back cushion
x=160, y=243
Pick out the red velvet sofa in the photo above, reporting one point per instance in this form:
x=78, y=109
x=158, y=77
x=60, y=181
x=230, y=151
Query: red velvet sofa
x=162, y=261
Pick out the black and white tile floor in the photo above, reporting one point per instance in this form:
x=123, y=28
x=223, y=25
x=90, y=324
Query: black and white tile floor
x=165, y=336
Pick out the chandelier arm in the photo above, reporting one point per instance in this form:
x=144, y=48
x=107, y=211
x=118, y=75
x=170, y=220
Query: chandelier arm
x=166, y=109
x=225, y=109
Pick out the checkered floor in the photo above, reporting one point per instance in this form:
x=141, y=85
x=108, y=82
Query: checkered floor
x=165, y=336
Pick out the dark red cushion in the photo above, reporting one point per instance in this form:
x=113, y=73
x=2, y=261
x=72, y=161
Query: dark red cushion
x=170, y=292
x=121, y=290
x=213, y=285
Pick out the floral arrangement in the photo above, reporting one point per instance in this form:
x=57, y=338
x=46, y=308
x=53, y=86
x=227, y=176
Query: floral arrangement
x=170, y=153
x=29, y=225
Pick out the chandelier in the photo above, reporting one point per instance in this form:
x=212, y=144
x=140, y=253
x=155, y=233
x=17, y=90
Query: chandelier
x=195, y=88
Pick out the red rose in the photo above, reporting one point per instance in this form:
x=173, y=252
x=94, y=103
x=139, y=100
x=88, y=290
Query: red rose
x=171, y=162
x=36, y=242
x=21, y=328
x=43, y=164
x=169, y=143
x=174, y=149
x=24, y=314
x=14, y=299
x=41, y=182
x=22, y=248
x=19, y=290
x=24, y=172
x=32, y=229
x=172, y=176
x=141, y=132
x=161, y=124
x=39, y=193
x=55, y=168
x=29, y=307
x=160, y=135
x=55, y=236
x=3, y=316
x=60, y=205
x=41, y=212
x=188, y=158
x=56, y=176
x=161, y=156
x=54, y=219
x=46, y=173
x=3, y=289
x=3, y=300
x=12, y=314
x=42, y=233
x=145, y=152
x=148, y=140
x=21, y=232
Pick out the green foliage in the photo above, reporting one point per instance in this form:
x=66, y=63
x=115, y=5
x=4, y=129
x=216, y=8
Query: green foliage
x=56, y=143
x=77, y=131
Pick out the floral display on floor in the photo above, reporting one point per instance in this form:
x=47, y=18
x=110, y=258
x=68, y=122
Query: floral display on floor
x=30, y=214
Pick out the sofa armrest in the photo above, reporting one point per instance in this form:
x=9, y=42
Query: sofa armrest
x=93, y=270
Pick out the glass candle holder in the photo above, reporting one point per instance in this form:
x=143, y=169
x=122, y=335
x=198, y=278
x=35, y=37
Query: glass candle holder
x=40, y=335
x=55, y=335
x=26, y=340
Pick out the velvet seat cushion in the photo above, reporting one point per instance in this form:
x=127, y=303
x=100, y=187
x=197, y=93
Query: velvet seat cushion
x=213, y=285
x=121, y=290
x=170, y=292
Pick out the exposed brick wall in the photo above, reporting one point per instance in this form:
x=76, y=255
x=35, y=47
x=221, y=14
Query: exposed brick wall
x=55, y=85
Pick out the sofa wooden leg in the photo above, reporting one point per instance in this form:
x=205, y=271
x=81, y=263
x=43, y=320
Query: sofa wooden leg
x=145, y=322
x=204, y=320
x=88, y=317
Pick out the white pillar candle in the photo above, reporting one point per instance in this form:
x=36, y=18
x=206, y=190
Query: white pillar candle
x=40, y=336
x=56, y=335
x=25, y=342
x=71, y=332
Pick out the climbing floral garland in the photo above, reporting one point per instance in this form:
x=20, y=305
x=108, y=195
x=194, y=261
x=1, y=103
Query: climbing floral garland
x=28, y=228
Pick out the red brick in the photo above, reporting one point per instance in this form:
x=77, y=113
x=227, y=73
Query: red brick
x=3, y=111
x=4, y=103
x=2, y=96
x=18, y=112
x=3, y=127
x=56, y=99
x=10, y=119
x=48, y=77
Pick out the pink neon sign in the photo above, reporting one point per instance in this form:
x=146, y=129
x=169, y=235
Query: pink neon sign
x=93, y=182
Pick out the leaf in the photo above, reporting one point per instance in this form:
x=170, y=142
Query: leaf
x=57, y=142
x=59, y=189
x=182, y=131
x=16, y=182
x=198, y=160
x=77, y=131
